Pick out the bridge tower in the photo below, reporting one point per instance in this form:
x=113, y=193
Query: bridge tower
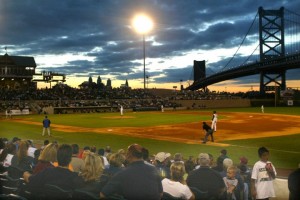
x=271, y=43
x=199, y=71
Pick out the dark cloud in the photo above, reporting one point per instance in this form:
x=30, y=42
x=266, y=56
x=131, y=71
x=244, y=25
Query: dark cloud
x=101, y=30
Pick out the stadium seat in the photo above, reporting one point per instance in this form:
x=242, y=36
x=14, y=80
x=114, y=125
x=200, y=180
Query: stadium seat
x=3, y=169
x=55, y=192
x=81, y=194
x=11, y=197
x=15, y=172
x=167, y=196
x=115, y=197
x=199, y=195
x=8, y=184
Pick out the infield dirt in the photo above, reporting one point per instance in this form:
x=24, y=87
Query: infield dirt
x=231, y=127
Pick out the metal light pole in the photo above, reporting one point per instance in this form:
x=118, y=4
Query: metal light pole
x=143, y=24
x=144, y=61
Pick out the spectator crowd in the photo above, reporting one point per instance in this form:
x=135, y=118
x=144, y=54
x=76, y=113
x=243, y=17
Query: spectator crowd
x=62, y=95
x=133, y=173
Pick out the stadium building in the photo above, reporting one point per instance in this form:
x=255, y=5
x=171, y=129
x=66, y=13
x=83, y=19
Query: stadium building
x=16, y=72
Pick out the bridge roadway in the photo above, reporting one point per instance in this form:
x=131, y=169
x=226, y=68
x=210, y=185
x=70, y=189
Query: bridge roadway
x=271, y=66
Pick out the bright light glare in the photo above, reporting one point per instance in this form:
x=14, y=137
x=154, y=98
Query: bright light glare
x=142, y=24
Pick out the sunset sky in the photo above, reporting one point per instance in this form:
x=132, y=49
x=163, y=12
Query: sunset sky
x=82, y=38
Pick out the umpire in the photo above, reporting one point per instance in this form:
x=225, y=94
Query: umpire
x=208, y=131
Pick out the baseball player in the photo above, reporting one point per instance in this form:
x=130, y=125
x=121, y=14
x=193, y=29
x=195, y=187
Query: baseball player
x=121, y=110
x=46, y=126
x=214, y=121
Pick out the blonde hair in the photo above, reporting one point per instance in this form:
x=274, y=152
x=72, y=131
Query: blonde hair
x=49, y=153
x=84, y=153
x=116, y=159
x=93, y=167
x=177, y=171
x=23, y=150
x=232, y=168
x=122, y=151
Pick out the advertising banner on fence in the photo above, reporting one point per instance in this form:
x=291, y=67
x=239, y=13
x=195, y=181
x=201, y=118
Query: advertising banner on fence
x=19, y=112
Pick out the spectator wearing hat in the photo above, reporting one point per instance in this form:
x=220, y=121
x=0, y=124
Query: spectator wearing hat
x=137, y=181
x=206, y=179
x=162, y=164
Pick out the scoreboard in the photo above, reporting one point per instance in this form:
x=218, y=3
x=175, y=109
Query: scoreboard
x=48, y=77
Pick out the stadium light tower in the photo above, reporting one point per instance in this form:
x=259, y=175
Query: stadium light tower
x=143, y=24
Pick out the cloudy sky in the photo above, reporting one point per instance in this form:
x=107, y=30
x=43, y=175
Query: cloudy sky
x=82, y=38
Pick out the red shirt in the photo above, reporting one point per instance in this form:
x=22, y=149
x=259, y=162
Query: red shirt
x=41, y=165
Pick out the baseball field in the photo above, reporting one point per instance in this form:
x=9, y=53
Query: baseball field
x=240, y=130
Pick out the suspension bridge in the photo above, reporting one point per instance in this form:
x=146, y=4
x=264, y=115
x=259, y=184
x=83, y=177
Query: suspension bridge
x=277, y=49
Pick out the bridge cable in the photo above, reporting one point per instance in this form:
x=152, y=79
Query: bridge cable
x=250, y=55
x=241, y=43
x=293, y=12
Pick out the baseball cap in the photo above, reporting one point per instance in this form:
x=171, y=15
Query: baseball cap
x=162, y=156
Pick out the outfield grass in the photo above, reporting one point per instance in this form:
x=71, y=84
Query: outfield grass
x=285, y=151
x=131, y=119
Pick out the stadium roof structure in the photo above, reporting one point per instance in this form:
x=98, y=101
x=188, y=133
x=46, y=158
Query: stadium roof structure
x=22, y=61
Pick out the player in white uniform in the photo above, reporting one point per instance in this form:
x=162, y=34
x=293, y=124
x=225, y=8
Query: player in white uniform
x=121, y=110
x=214, y=121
